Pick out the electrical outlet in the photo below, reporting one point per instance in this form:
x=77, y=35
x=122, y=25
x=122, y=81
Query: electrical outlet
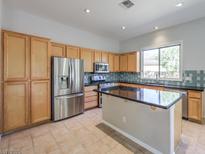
x=124, y=119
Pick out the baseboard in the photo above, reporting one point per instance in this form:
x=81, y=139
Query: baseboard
x=151, y=149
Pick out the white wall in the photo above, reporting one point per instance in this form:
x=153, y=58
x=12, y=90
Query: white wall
x=192, y=34
x=20, y=21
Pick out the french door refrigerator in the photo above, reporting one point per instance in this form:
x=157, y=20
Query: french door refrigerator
x=67, y=87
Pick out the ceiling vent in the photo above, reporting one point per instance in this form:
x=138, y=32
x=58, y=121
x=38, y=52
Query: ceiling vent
x=127, y=4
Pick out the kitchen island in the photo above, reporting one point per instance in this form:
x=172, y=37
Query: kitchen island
x=151, y=118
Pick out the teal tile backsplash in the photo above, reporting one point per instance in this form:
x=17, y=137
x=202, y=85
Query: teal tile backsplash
x=190, y=78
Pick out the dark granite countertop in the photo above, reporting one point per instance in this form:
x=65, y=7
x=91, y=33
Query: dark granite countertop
x=157, y=98
x=156, y=84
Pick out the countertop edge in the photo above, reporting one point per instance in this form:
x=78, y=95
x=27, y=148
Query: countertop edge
x=139, y=101
x=165, y=86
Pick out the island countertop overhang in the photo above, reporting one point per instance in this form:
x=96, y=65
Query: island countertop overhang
x=161, y=99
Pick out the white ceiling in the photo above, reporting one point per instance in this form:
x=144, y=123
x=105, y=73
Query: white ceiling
x=107, y=16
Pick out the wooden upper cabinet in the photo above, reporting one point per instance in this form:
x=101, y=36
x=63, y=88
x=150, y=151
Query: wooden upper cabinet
x=87, y=55
x=16, y=57
x=123, y=63
x=105, y=57
x=58, y=50
x=97, y=56
x=133, y=62
x=111, y=62
x=116, y=64
x=40, y=58
x=73, y=52
x=16, y=105
x=40, y=101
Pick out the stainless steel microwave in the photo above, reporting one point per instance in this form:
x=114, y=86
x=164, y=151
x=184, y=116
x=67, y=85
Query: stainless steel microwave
x=101, y=68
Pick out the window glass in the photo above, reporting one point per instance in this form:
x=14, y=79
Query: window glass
x=162, y=63
x=170, y=62
x=151, y=63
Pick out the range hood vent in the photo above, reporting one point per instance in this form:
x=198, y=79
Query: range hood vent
x=127, y=4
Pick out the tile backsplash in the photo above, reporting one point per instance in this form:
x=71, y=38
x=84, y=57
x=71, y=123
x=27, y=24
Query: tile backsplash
x=194, y=78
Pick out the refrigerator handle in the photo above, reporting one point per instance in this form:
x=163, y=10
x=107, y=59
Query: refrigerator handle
x=69, y=96
x=71, y=75
x=70, y=72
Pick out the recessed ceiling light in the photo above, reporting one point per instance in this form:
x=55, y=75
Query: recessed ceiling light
x=180, y=4
x=156, y=28
x=123, y=27
x=87, y=10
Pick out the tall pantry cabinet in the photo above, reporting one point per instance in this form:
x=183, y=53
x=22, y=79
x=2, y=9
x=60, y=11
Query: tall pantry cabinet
x=26, y=80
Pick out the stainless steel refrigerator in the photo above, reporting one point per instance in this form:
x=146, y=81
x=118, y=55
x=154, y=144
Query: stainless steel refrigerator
x=67, y=87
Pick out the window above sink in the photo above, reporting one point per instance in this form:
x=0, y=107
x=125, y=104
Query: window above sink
x=163, y=63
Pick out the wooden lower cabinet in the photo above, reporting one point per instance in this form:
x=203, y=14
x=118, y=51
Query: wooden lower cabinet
x=195, y=106
x=195, y=109
x=16, y=105
x=91, y=97
x=40, y=101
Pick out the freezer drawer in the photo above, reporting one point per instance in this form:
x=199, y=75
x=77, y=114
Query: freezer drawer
x=67, y=106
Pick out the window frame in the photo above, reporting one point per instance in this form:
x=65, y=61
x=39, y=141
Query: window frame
x=178, y=43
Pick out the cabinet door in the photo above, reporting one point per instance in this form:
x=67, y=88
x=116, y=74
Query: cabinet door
x=16, y=104
x=97, y=56
x=73, y=52
x=111, y=62
x=40, y=58
x=87, y=56
x=195, y=109
x=58, y=50
x=133, y=62
x=116, y=63
x=123, y=63
x=40, y=101
x=104, y=57
x=16, y=57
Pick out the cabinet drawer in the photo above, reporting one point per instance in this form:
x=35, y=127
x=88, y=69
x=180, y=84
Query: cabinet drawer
x=90, y=88
x=90, y=93
x=91, y=98
x=194, y=94
x=91, y=104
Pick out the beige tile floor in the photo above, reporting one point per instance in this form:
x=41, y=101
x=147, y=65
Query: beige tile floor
x=85, y=134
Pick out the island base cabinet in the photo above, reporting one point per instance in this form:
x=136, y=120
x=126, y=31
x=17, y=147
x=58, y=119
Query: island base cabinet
x=40, y=101
x=158, y=128
x=16, y=105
